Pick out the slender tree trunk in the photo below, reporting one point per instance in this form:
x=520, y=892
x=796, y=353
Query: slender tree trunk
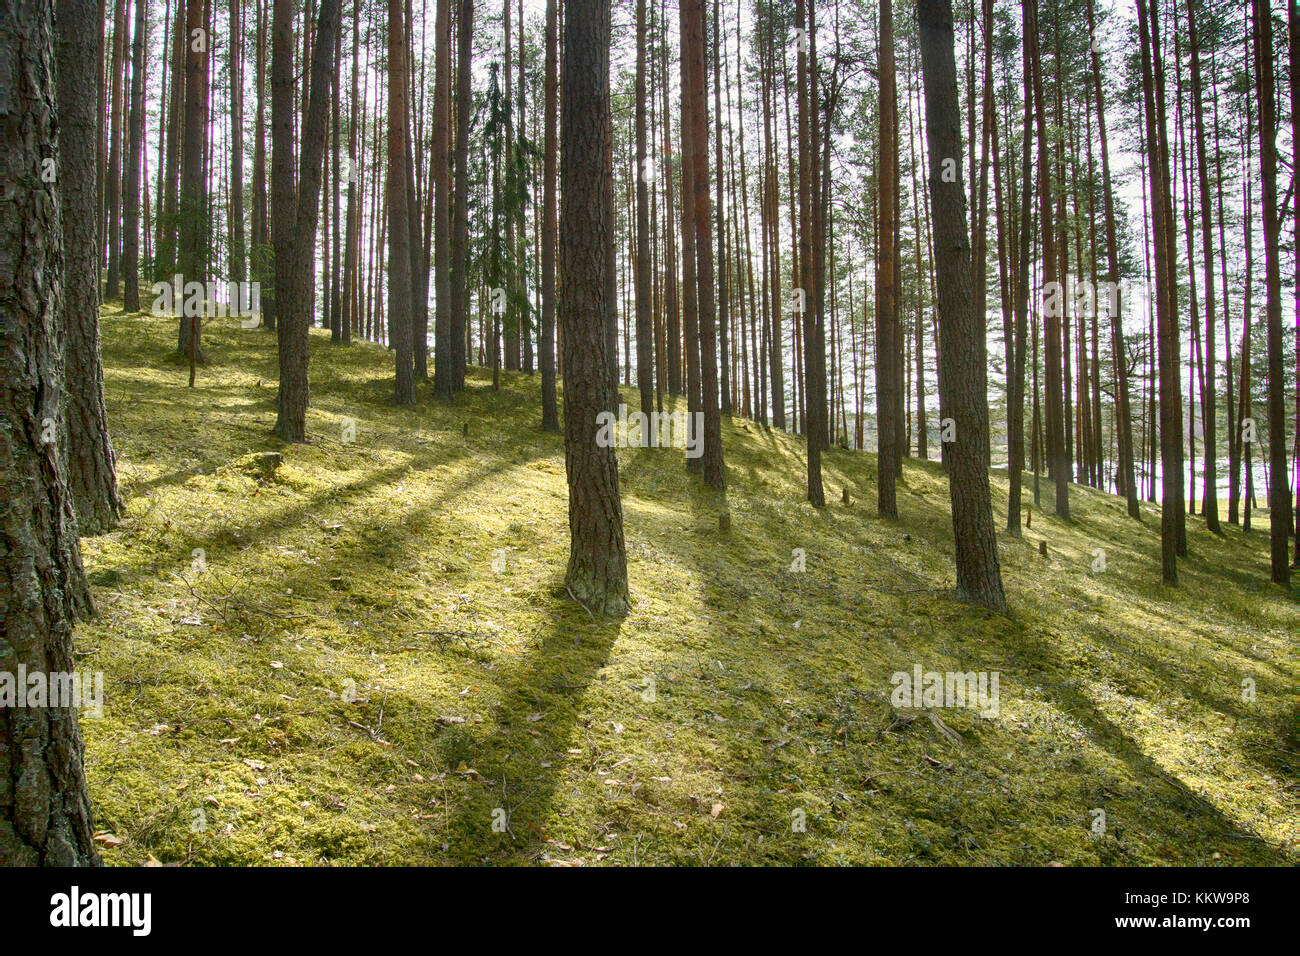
x=1054, y=359
x=237, y=272
x=690, y=291
x=807, y=277
x=1119, y=356
x=113, y=197
x=1211, y=497
x=645, y=167
x=440, y=183
x=546, y=347
x=887, y=374
x=134, y=150
x=460, y=218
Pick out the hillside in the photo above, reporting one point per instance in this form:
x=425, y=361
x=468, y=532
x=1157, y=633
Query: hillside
x=738, y=698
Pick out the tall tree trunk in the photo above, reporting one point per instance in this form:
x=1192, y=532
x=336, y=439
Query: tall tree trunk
x=193, y=247
x=117, y=120
x=1293, y=50
x=399, y=234
x=45, y=813
x=441, y=186
x=597, y=572
x=134, y=150
x=1211, y=497
x=546, y=347
x=690, y=290
x=351, y=265
x=296, y=215
x=813, y=405
x=1279, y=495
x=1124, y=422
x=460, y=219
x=1054, y=358
x=645, y=167
x=263, y=271
x=887, y=373
x=1016, y=393
x=961, y=319
x=693, y=49
x=237, y=270
x=1170, y=406
x=91, y=471
x=724, y=298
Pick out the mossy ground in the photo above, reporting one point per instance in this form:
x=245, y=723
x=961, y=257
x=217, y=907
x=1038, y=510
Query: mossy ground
x=228, y=735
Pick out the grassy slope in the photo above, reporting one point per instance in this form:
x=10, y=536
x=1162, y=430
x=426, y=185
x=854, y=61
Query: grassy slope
x=477, y=691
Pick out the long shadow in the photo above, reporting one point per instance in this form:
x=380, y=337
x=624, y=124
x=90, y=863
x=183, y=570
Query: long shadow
x=505, y=804
x=1067, y=699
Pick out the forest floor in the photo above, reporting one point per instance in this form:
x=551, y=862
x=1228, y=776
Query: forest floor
x=373, y=660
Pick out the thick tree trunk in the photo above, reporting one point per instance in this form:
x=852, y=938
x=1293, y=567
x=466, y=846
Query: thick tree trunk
x=91, y=472
x=1016, y=393
x=399, y=235
x=701, y=206
x=961, y=319
x=597, y=572
x=297, y=212
x=45, y=814
x=192, y=257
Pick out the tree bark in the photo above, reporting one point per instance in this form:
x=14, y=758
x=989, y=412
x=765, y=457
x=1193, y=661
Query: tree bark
x=961, y=319
x=135, y=149
x=1279, y=495
x=887, y=373
x=441, y=186
x=91, y=469
x=296, y=212
x=45, y=813
x=597, y=572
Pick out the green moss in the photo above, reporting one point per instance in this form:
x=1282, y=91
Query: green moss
x=346, y=679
